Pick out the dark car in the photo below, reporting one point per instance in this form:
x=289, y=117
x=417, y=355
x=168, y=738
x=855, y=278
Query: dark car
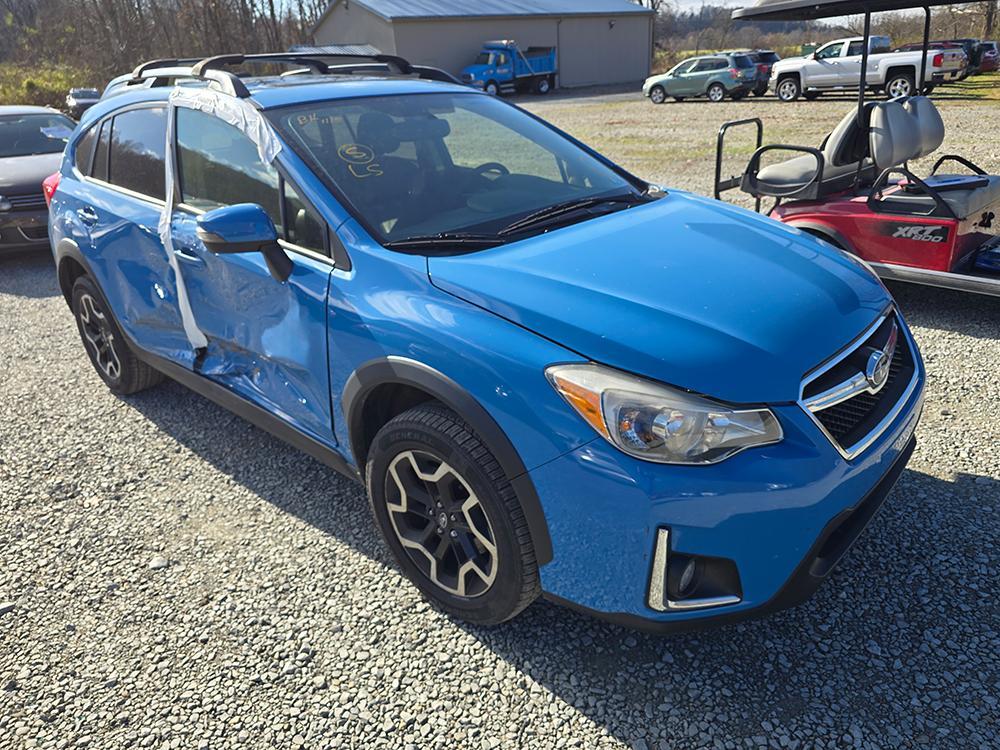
x=991, y=57
x=79, y=101
x=32, y=140
x=764, y=58
x=974, y=51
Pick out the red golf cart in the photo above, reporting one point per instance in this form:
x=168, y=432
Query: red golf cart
x=855, y=189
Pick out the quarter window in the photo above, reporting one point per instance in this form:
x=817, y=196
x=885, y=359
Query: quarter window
x=137, y=147
x=85, y=151
x=101, y=156
x=304, y=228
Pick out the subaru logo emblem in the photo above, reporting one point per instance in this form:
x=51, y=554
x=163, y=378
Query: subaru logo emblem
x=877, y=368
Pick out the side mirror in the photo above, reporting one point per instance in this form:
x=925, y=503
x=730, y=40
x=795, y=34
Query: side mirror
x=244, y=228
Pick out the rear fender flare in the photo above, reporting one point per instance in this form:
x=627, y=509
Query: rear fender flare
x=825, y=232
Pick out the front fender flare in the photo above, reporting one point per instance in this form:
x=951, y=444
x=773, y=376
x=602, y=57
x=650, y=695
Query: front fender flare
x=404, y=371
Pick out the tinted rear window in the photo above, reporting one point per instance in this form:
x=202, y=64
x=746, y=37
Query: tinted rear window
x=768, y=57
x=138, y=140
x=742, y=61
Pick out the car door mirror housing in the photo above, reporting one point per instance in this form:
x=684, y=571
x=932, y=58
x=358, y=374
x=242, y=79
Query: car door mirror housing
x=244, y=228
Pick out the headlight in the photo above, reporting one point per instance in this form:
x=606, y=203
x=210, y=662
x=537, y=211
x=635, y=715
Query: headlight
x=658, y=423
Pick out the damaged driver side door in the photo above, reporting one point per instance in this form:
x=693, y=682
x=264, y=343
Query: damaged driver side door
x=266, y=339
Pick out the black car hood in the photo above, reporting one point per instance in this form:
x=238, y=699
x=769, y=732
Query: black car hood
x=24, y=174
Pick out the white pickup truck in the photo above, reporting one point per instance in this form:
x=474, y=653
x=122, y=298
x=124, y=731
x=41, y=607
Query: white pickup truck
x=837, y=65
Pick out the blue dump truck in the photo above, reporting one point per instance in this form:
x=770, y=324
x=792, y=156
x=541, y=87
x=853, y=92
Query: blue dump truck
x=502, y=68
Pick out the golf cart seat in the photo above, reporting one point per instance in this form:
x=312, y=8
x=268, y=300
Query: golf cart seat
x=841, y=151
x=965, y=195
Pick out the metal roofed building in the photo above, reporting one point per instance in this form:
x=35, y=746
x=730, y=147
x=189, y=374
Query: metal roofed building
x=597, y=41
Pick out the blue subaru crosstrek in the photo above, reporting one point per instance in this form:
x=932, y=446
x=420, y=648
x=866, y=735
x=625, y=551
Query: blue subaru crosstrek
x=552, y=377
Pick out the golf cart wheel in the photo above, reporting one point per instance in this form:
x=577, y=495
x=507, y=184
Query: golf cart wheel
x=450, y=516
x=543, y=86
x=122, y=372
x=657, y=95
x=492, y=88
x=788, y=89
x=812, y=95
x=899, y=84
x=716, y=93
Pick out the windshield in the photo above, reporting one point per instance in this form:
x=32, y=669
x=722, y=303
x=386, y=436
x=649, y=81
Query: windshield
x=443, y=163
x=483, y=58
x=22, y=135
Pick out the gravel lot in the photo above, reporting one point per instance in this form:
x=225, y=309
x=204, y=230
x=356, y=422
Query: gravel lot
x=171, y=577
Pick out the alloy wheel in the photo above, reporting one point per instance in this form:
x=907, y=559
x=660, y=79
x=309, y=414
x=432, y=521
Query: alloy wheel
x=899, y=87
x=98, y=334
x=787, y=91
x=716, y=93
x=441, y=524
x=657, y=95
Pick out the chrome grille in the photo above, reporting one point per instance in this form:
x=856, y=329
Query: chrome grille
x=849, y=408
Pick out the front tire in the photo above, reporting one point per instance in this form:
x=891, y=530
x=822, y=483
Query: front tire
x=492, y=88
x=122, y=372
x=450, y=516
x=716, y=93
x=788, y=89
x=657, y=95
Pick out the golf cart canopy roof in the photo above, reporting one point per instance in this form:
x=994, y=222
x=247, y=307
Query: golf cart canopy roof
x=808, y=10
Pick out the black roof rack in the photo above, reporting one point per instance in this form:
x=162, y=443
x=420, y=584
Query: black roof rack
x=213, y=68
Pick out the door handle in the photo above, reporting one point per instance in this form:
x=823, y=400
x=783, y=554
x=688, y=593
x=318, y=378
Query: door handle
x=189, y=256
x=87, y=215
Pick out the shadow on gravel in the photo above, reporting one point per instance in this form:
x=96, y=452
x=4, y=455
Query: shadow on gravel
x=898, y=643
x=969, y=314
x=28, y=274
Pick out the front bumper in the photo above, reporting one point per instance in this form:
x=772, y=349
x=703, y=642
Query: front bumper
x=783, y=514
x=23, y=230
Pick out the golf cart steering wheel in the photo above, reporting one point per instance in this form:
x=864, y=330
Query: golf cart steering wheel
x=492, y=166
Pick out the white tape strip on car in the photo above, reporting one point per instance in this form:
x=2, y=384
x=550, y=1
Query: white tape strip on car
x=240, y=114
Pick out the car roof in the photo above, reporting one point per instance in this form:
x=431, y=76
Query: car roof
x=270, y=92
x=27, y=109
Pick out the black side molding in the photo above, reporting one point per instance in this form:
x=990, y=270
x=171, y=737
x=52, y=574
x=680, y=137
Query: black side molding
x=416, y=374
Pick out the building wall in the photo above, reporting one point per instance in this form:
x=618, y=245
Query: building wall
x=591, y=49
x=349, y=23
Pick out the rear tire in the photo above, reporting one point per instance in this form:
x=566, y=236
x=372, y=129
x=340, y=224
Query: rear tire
x=122, y=372
x=716, y=93
x=737, y=97
x=812, y=95
x=788, y=89
x=543, y=86
x=450, y=516
x=657, y=95
x=900, y=84
x=759, y=92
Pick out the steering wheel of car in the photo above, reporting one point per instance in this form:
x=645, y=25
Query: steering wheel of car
x=492, y=166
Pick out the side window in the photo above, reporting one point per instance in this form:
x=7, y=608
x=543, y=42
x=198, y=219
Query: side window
x=855, y=49
x=219, y=166
x=101, y=157
x=304, y=228
x=831, y=50
x=502, y=59
x=85, y=151
x=137, y=148
x=719, y=65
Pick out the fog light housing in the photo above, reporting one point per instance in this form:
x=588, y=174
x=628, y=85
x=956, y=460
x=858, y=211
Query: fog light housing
x=682, y=581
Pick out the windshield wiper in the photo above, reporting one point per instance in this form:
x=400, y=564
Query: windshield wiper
x=445, y=239
x=559, y=211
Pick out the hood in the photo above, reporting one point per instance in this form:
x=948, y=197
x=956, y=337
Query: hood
x=475, y=71
x=24, y=174
x=686, y=290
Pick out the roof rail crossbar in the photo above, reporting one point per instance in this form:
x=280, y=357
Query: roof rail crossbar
x=210, y=68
